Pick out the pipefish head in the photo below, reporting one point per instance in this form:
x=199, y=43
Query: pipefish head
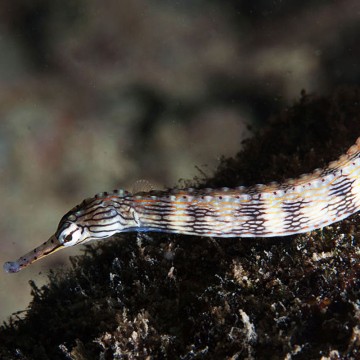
x=69, y=233
x=95, y=218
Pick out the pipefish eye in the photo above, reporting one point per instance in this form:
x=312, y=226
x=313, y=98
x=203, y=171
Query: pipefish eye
x=68, y=238
x=69, y=234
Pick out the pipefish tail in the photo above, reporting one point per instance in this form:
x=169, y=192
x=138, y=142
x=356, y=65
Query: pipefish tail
x=298, y=205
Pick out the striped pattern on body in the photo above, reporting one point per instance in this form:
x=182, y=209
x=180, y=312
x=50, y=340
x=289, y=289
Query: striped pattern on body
x=298, y=205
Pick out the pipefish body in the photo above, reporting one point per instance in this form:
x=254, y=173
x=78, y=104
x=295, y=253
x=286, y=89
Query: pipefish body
x=299, y=205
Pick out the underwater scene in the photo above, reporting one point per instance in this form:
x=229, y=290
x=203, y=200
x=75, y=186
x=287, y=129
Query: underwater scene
x=179, y=179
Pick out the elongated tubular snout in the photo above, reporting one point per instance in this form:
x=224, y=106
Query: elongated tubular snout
x=48, y=247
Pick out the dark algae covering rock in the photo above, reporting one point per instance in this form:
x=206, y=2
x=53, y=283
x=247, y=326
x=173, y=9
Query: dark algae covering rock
x=156, y=296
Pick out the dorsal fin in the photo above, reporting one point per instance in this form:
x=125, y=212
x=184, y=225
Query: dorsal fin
x=141, y=186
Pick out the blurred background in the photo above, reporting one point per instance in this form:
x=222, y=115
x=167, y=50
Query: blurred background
x=95, y=95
